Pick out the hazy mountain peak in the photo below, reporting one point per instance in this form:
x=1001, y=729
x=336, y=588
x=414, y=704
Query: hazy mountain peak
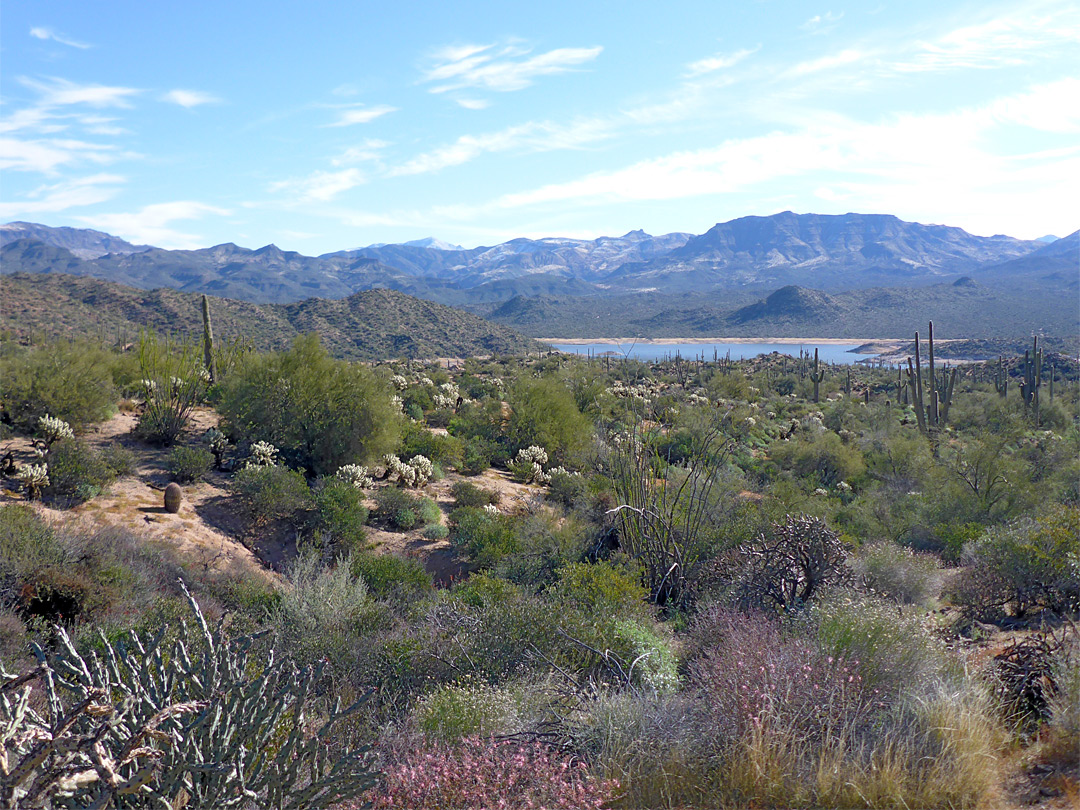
x=431, y=242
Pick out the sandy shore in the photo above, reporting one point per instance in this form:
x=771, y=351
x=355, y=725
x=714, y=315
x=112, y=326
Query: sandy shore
x=878, y=342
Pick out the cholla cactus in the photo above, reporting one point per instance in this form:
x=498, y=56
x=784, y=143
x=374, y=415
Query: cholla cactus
x=399, y=382
x=54, y=429
x=416, y=473
x=150, y=389
x=398, y=403
x=355, y=474
x=187, y=722
x=262, y=455
x=34, y=477
x=529, y=465
x=218, y=444
x=491, y=509
x=561, y=471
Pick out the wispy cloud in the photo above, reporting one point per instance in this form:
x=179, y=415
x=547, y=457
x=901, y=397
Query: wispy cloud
x=46, y=156
x=844, y=58
x=56, y=197
x=368, y=150
x=499, y=68
x=56, y=92
x=190, y=98
x=321, y=186
x=151, y=224
x=711, y=64
x=822, y=23
x=361, y=115
x=537, y=136
x=49, y=34
x=473, y=103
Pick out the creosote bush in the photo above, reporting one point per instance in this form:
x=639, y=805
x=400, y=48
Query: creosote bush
x=187, y=463
x=272, y=493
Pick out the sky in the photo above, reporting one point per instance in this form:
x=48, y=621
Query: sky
x=323, y=126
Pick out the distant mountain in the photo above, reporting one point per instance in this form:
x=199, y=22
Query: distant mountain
x=82, y=242
x=1052, y=266
x=370, y=325
x=1048, y=238
x=826, y=252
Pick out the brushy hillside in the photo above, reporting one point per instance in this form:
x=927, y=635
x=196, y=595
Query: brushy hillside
x=368, y=325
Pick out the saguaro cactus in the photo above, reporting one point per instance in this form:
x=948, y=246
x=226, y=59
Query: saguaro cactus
x=934, y=413
x=1029, y=388
x=1001, y=379
x=816, y=376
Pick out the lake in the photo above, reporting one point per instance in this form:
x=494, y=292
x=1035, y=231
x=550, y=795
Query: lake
x=838, y=353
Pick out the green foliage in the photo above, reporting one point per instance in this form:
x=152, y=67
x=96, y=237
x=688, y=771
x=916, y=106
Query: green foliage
x=483, y=538
x=452, y=712
x=70, y=381
x=543, y=413
x=387, y=575
x=174, y=381
x=272, y=493
x=319, y=412
x=340, y=512
x=824, y=460
x=189, y=463
x=466, y=494
x=77, y=472
x=445, y=451
x=404, y=511
x=600, y=589
x=898, y=573
x=650, y=653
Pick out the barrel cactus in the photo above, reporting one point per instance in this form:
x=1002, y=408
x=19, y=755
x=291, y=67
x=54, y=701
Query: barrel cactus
x=173, y=496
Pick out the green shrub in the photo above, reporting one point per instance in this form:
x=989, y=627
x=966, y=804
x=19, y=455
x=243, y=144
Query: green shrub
x=650, y=654
x=119, y=458
x=272, y=493
x=340, y=512
x=484, y=538
x=476, y=457
x=77, y=473
x=600, y=589
x=572, y=491
x=543, y=413
x=27, y=545
x=390, y=574
x=826, y=460
x=452, y=712
x=466, y=494
x=319, y=412
x=443, y=450
x=70, y=381
x=436, y=531
x=1030, y=562
x=898, y=573
x=397, y=507
x=188, y=463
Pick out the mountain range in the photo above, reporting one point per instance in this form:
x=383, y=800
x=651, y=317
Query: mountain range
x=734, y=264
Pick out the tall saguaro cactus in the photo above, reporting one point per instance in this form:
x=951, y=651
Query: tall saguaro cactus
x=208, y=341
x=816, y=376
x=934, y=413
x=1029, y=388
x=1001, y=379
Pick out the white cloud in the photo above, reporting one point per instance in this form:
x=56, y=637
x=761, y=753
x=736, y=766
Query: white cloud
x=822, y=23
x=719, y=61
x=361, y=115
x=321, y=186
x=473, y=103
x=61, y=196
x=500, y=69
x=48, y=155
x=150, y=224
x=190, y=98
x=368, y=150
x=533, y=136
x=48, y=33
x=946, y=167
x=844, y=58
x=58, y=92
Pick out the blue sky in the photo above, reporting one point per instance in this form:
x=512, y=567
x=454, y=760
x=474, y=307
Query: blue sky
x=321, y=126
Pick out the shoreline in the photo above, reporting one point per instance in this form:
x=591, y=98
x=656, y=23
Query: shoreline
x=706, y=341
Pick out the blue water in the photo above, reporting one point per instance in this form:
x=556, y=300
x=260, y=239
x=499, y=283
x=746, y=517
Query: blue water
x=827, y=353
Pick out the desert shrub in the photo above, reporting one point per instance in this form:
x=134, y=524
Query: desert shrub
x=27, y=544
x=319, y=412
x=484, y=538
x=569, y=490
x=893, y=650
x=326, y=613
x=482, y=773
x=77, y=472
x=601, y=589
x=70, y=381
x=650, y=654
x=1064, y=703
x=543, y=413
x=436, y=531
x=476, y=456
x=1030, y=562
x=388, y=574
x=173, y=383
x=189, y=463
x=784, y=567
x=272, y=493
x=340, y=512
x=897, y=573
x=119, y=458
x=443, y=450
x=404, y=511
x=466, y=494
x=546, y=543
x=825, y=460
x=452, y=712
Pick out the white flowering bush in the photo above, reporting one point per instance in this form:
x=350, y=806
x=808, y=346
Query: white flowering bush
x=34, y=477
x=263, y=454
x=355, y=474
x=54, y=429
